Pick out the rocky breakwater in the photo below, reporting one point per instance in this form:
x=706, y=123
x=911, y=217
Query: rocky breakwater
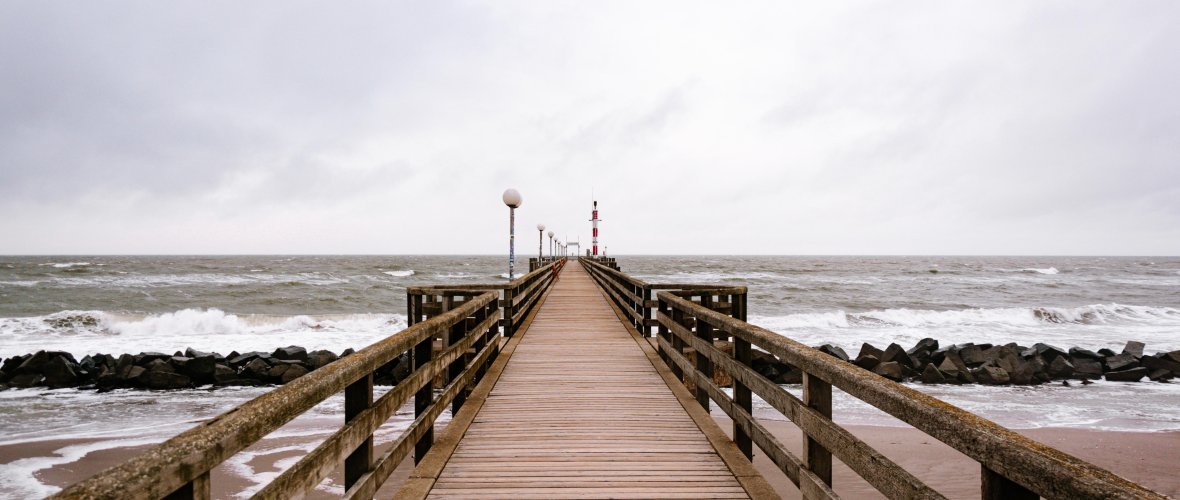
x=987, y=364
x=191, y=368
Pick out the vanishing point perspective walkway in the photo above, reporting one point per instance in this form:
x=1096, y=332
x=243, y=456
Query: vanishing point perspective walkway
x=580, y=410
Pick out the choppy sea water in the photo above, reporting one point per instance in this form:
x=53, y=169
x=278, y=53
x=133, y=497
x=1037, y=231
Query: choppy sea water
x=88, y=305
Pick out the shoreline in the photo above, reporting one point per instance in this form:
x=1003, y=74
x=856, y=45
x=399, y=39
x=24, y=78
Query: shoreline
x=1148, y=458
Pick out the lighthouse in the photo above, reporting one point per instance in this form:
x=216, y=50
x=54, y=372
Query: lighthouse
x=594, y=221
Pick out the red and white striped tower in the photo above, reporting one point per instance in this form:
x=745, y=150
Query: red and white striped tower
x=594, y=220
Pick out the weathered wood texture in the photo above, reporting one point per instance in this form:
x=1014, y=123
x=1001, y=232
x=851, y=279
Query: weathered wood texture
x=580, y=412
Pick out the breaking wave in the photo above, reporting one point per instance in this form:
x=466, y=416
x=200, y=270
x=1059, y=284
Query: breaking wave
x=1085, y=315
x=400, y=274
x=82, y=332
x=1047, y=270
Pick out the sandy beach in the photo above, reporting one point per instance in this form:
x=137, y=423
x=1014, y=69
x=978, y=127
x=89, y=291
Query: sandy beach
x=1149, y=458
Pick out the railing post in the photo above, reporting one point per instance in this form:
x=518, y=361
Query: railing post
x=677, y=342
x=704, y=364
x=197, y=489
x=423, y=352
x=742, y=397
x=997, y=487
x=509, y=311
x=455, y=334
x=358, y=397
x=817, y=395
x=647, y=296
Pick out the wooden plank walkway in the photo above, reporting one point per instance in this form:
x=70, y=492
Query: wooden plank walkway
x=579, y=411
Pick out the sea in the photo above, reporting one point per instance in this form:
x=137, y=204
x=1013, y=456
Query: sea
x=131, y=304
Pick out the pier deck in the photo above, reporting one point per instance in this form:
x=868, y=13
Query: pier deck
x=580, y=411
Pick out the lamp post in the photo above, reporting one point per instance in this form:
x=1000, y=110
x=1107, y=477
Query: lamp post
x=511, y=198
x=550, y=245
x=540, y=243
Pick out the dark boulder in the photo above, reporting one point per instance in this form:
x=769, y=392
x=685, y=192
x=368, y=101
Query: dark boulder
x=1159, y=375
x=1077, y=352
x=1119, y=362
x=992, y=375
x=1048, y=352
x=319, y=359
x=294, y=353
x=293, y=372
x=145, y=358
x=896, y=354
x=244, y=359
x=347, y=352
x=1174, y=356
x=1086, y=368
x=59, y=372
x=199, y=368
x=1129, y=375
x=256, y=369
x=224, y=375
x=37, y=362
x=790, y=375
x=162, y=379
x=1160, y=362
x=1134, y=348
x=867, y=349
x=834, y=351
x=27, y=380
x=931, y=375
x=1106, y=353
x=890, y=370
x=972, y=355
x=1060, y=367
x=193, y=353
x=867, y=361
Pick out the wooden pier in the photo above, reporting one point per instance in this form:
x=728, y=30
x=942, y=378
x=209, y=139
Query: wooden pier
x=580, y=411
x=583, y=382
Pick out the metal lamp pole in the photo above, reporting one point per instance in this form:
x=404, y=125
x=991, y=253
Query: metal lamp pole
x=550, y=245
x=540, y=243
x=511, y=198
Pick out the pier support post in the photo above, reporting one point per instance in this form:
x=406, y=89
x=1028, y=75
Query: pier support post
x=997, y=487
x=197, y=489
x=704, y=364
x=358, y=397
x=424, y=397
x=817, y=395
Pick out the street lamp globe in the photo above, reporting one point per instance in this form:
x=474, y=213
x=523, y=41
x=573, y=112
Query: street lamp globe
x=512, y=198
x=540, y=227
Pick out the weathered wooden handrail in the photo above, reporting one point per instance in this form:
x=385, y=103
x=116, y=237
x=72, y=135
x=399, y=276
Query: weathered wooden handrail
x=1012, y=465
x=635, y=297
x=519, y=296
x=180, y=466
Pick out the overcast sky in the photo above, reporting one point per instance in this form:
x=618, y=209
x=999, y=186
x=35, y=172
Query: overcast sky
x=393, y=127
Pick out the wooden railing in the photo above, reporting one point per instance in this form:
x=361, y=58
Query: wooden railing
x=465, y=321
x=1013, y=466
x=519, y=298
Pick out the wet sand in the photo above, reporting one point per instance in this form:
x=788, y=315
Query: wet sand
x=1151, y=459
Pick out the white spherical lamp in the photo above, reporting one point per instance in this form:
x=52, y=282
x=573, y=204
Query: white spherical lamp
x=512, y=198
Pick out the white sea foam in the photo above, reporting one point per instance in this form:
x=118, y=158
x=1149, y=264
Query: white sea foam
x=88, y=332
x=400, y=274
x=17, y=479
x=1047, y=270
x=1093, y=326
x=65, y=265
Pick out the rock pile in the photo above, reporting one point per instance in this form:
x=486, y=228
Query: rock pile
x=191, y=368
x=982, y=364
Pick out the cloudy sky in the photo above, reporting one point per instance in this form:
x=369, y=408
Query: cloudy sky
x=770, y=128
